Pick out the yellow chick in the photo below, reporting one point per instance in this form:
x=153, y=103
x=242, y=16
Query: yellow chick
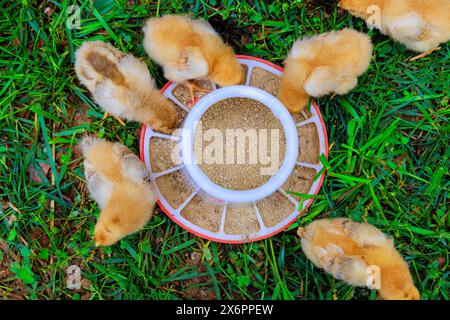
x=121, y=84
x=357, y=253
x=116, y=180
x=189, y=50
x=323, y=64
x=421, y=25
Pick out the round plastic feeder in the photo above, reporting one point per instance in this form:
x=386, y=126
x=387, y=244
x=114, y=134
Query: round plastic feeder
x=193, y=201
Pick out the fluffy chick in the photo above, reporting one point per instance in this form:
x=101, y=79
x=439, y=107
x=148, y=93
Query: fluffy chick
x=190, y=49
x=421, y=25
x=127, y=211
x=121, y=84
x=323, y=64
x=346, y=249
x=116, y=181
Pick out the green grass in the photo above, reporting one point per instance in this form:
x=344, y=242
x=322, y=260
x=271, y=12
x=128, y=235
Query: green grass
x=388, y=163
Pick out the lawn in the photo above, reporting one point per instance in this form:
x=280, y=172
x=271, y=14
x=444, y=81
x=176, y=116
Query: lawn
x=388, y=162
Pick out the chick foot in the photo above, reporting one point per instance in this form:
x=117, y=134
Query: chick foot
x=117, y=118
x=422, y=55
x=193, y=87
x=301, y=232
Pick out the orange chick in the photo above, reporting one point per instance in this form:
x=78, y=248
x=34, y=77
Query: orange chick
x=323, y=64
x=116, y=180
x=129, y=208
x=421, y=25
x=189, y=50
x=353, y=252
x=121, y=84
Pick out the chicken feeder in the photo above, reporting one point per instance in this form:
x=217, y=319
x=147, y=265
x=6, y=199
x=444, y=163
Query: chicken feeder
x=213, y=212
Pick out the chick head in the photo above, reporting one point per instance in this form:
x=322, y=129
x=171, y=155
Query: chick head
x=108, y=229
x=226, y=69
x=399, y=287
x=166, y=120
x=293, y=99
x=355, y=7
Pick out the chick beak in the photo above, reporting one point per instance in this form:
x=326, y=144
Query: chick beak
x=97, y=244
